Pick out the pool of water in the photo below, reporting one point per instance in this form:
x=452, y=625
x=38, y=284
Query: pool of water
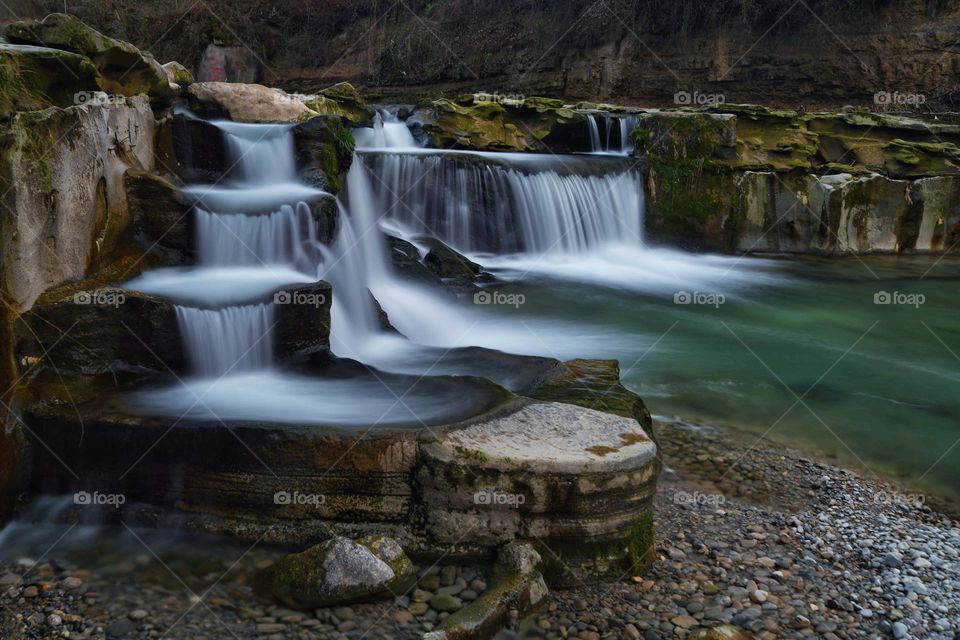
x=808, y=352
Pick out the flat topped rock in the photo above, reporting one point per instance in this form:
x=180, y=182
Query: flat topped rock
x=551, y=437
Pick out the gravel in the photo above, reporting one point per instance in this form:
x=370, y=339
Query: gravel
x=764, y=539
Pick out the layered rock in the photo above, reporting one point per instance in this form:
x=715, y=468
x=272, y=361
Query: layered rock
x=578, y=481
x=746, y=178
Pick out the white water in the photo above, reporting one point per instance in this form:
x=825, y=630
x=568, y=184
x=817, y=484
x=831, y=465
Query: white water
x=227, y=340
x=287, y=236
x=522, y=215
x=494, y=208
x=610, y=133
x=387, y=133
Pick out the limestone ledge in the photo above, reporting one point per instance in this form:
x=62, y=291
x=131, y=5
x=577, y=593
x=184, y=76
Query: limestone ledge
x=748, y=178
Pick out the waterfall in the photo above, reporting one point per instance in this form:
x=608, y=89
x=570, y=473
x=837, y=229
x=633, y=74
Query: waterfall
x=286, y=236
x=261, y=154
x=492, y=208
x=388, y=132
x=621, y=126
x=222, y=341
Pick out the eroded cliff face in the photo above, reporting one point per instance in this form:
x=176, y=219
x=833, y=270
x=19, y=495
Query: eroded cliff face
x=821, y=53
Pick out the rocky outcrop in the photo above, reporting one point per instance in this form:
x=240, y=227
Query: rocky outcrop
x=123, y=68
x=482, y=122
x=748, y=178
x=37, y=77
x=578, y=480
x=338, y=571
x=650, y=53
x=62, y=174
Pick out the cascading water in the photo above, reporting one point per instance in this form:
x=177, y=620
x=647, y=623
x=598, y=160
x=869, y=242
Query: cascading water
x=490, y=208
x=226, y=340
x=610, y=133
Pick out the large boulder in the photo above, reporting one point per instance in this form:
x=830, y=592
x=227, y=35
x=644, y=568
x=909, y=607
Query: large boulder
x=108, y=328
x=337, y=571
x=246, y=102
x=343, y=100
x=124, y=69
x=61, y=173
x=39, y=77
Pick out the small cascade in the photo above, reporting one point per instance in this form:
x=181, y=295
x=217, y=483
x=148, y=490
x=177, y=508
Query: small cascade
x=222, y=341
x=287, y=236
x=388, y=132
x=610, y=133
x=261, y=154
x=494, y=208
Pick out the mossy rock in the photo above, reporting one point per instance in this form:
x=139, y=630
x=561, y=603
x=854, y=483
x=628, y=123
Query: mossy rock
x=919, y=159
x=343, y=99
x=34, y=78
x=324, y=148
x=124, y=69
x=337, y=571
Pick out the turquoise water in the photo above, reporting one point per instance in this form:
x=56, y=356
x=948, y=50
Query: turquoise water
x=878, y=384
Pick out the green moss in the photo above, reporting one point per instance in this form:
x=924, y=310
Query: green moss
x=470, y=454
x=631, y=553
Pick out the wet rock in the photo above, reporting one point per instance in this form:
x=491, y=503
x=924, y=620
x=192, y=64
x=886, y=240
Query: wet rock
x=338, y=570
x=445, y=603
x=324, y=150
x=161, y=215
